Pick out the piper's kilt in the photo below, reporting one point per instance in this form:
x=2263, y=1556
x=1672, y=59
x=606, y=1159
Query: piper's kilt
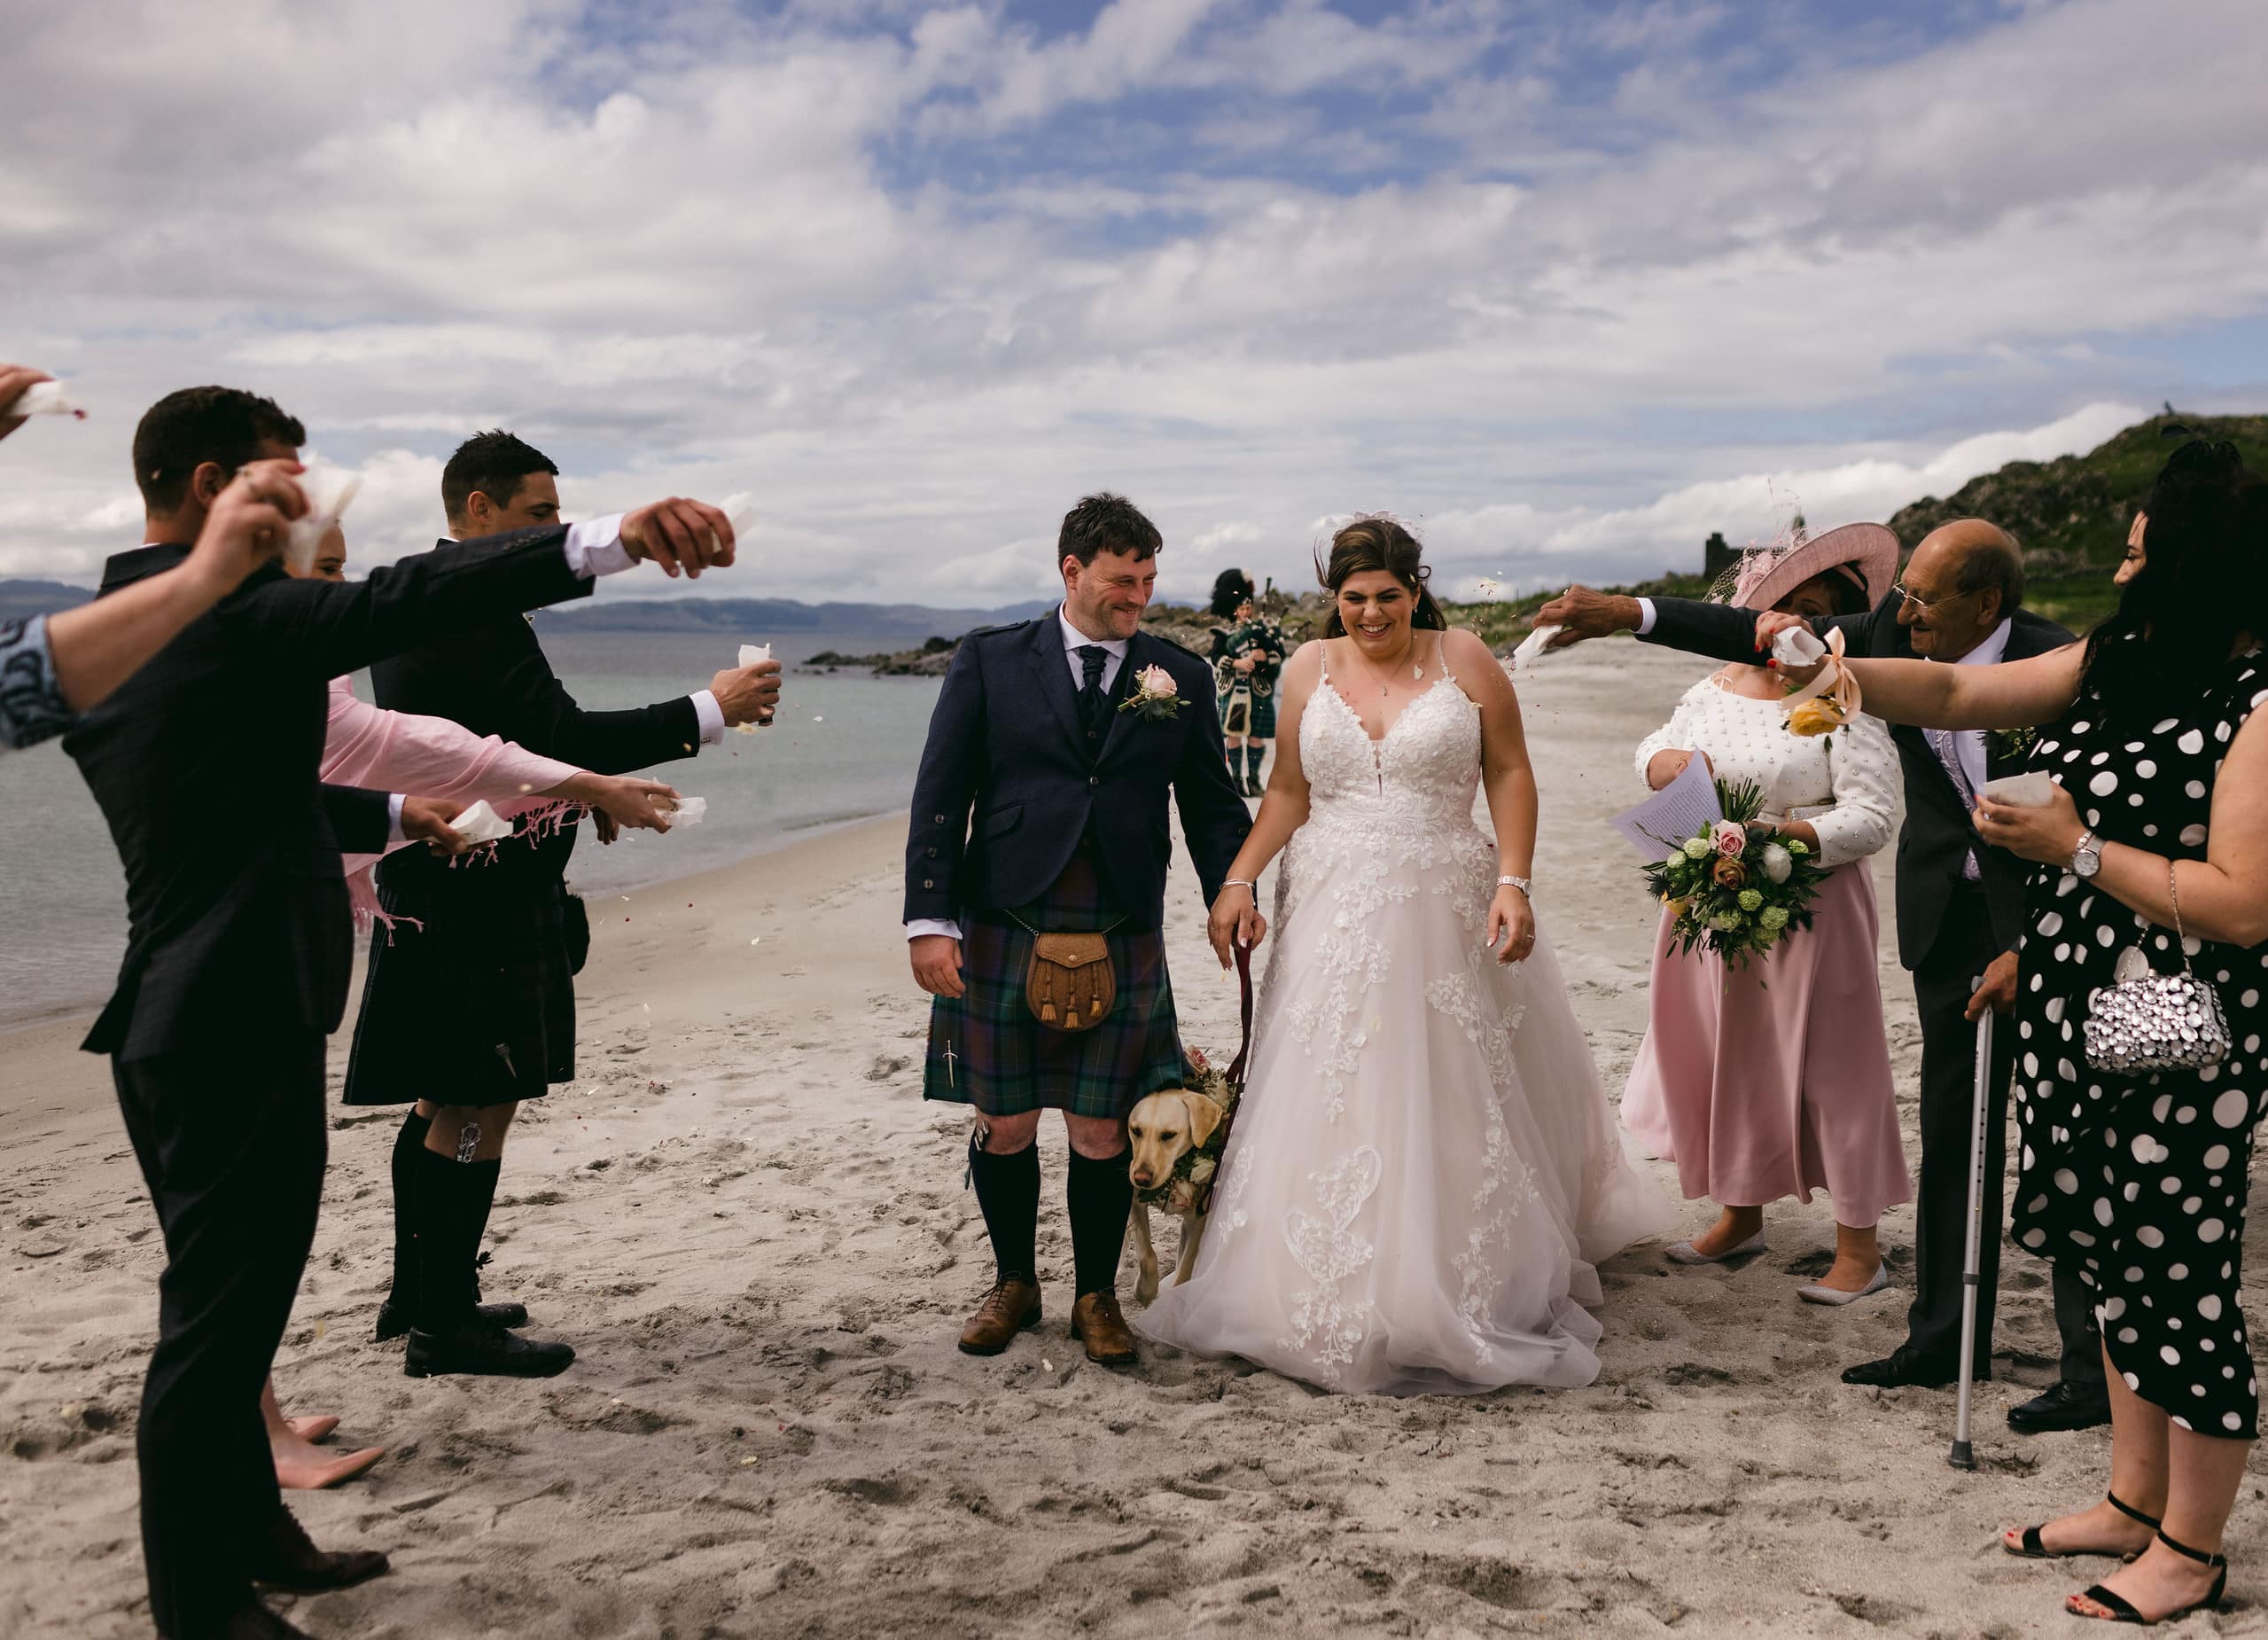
x=986, y=1050
x=1245, y=712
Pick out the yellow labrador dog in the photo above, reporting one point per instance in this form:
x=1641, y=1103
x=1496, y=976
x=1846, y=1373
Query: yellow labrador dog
x=1164, y=1127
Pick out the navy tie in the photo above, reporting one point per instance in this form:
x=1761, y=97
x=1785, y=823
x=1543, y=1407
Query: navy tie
x=1094, y=705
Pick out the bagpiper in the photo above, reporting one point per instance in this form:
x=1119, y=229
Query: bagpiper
x=1248, y=652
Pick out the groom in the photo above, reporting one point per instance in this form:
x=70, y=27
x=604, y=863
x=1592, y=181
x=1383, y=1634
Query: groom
x=1062, y=737
x=1959, y=915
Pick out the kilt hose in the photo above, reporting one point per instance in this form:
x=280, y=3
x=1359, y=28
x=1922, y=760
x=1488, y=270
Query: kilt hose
x=986, y=1050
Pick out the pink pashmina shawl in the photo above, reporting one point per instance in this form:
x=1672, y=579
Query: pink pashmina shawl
x=369, y=746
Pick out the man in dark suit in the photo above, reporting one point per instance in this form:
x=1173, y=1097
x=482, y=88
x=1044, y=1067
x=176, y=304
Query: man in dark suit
x=53, y=666
x=1961, y=909
x=1051, y=735
x=475, y=1011
x=205, y=766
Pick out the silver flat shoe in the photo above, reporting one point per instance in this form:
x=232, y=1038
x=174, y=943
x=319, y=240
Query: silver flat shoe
x=1816, y=1295
x=1685, y=1252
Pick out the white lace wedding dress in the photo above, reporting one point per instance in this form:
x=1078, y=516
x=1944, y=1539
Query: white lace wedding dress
x=1423, y=1172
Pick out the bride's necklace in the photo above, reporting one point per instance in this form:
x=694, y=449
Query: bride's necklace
x=1385, y=681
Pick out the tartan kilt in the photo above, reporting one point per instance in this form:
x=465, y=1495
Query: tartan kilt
x=1005, y=1062
x=477, y=1007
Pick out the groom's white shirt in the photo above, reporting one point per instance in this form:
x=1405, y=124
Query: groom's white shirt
x=1114, y=650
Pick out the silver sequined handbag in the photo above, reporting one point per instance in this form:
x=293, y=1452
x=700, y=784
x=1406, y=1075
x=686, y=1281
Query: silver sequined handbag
x=2147, y=1021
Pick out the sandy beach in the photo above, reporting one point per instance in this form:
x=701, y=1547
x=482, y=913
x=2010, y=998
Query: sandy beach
x=756, y=1233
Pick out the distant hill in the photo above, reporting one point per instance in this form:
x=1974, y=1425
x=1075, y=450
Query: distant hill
x=2070, y=515
x=19, y=600
x=910, y=621
x=798, y=628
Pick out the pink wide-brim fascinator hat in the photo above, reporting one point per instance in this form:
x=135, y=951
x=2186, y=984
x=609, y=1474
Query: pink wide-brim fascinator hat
x=1767, y=575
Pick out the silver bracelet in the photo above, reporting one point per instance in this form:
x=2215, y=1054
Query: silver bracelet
x=1520, y=883
x=1242, y=882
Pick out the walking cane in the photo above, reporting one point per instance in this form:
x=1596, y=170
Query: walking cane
x=1960, y=1456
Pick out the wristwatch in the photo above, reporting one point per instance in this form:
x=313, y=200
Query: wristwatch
x=1520, y=883
x=2086, y=856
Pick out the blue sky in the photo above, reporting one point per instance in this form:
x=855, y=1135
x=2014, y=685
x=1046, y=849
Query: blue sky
x=1568, y=286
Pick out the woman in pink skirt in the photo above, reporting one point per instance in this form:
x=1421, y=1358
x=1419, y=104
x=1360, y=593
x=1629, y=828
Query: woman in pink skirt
x=1775, y=1080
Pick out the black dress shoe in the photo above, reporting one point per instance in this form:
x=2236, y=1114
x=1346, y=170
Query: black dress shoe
x=289, y=1559
x=1906, y=1366
x=492, y=1352
x=2067, y=1406
x=394, y=1317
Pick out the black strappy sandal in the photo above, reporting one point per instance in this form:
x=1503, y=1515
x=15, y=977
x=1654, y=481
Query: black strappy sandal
x=2034, y=1550
x=2122, y=1611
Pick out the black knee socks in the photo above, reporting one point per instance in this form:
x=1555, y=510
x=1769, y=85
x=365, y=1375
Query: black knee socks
x=453, y=1201
x=1099, y=1196
x=1007, y=1190
x=406, y=1144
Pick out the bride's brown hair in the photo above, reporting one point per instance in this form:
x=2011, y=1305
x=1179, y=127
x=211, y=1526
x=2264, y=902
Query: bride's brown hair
x=1375, y=541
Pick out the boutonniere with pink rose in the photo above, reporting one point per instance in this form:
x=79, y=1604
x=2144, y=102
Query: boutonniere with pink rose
x=1156, y=695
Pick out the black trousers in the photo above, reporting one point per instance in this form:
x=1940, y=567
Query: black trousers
x=1965, y=948
x=232, y=1144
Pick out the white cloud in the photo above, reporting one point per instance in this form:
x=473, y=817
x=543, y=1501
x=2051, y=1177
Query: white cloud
x=912, y=279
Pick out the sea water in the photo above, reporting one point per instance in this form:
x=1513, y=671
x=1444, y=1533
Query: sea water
x=844, y=745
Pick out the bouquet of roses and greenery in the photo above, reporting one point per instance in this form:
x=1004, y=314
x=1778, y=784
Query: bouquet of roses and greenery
x=1732, y=891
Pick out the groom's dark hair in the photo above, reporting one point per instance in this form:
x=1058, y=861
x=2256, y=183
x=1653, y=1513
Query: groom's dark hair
x=1103, y=522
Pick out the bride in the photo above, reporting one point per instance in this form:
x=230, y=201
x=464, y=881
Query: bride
x=1423, y=1172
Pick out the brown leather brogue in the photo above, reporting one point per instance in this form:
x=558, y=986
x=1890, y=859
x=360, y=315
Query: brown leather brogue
x=1095, y=1322
x=1008, y=1309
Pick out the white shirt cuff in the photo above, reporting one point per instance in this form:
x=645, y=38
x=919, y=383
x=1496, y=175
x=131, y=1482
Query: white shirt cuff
x=921, y=926
x=595, y=548
x=1645, y=616
x=712, y=716
x=394, y=820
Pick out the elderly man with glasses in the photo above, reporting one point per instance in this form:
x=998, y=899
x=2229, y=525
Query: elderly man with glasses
x=1959, y=915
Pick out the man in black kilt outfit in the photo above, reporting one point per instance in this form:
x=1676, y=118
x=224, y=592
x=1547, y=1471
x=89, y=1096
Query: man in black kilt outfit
x=469, y=1005
x=1043, y=734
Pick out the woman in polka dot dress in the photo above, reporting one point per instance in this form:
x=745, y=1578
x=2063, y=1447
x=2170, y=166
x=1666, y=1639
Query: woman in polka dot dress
x=2159, y=753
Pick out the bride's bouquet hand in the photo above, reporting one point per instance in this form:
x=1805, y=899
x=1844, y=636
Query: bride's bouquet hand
x=1236, y=921
x=1511, y=925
